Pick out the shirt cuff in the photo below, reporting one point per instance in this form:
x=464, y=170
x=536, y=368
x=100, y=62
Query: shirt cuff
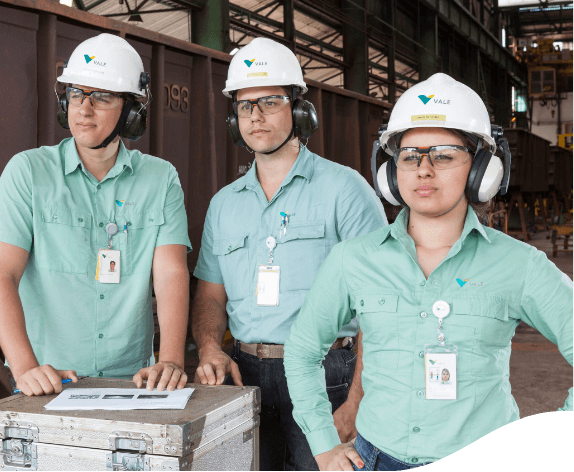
x=208, y=276
x=15, y=240
x=323, y=440
x=179, y=241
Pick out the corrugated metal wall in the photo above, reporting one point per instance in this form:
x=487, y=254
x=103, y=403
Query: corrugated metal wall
x=186, y=123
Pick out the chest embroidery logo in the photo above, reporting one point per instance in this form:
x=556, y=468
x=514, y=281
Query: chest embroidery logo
x=120, y=202
x=462, y=282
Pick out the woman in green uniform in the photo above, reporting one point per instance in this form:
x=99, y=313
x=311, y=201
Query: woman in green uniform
x=435, y=290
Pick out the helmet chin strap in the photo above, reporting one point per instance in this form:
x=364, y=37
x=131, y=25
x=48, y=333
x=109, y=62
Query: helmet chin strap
x=283, y=144
x=455, y=205
x=119, y=126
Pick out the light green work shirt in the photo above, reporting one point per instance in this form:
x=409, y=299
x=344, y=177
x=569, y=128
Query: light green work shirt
x=490, y=281
x=326, y=202
x=55, y=209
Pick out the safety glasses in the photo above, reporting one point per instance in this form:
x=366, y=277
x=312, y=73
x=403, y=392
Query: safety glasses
x=447, y=156
x=267, y=105
x=99, y=100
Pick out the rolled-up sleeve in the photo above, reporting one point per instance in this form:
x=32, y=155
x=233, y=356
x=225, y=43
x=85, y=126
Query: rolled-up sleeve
x=546, y=304
x=325, y=310
x=174, y=229
x=207, y=267
x=16, y=215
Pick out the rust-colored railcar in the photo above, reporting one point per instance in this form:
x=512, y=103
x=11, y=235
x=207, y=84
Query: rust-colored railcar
x=187, y=115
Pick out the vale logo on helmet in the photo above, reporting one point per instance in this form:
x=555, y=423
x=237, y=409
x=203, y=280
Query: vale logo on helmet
x=91, y=58
x=426, y=99
x=249, y=63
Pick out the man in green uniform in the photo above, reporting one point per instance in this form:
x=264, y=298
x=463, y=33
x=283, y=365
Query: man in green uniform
x=265, y=237
x=65, y=209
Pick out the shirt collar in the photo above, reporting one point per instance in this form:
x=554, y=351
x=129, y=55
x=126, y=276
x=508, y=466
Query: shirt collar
x=304, y=166
x=72, y=159
x=399, y=228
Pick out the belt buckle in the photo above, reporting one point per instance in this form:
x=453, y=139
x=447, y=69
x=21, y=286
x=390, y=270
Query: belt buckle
x=348, y=342
x=260, y=351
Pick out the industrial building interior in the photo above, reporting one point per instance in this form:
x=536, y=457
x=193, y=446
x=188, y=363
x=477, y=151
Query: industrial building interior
x=360, y=56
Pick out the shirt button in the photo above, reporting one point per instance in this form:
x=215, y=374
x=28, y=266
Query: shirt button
x=416, y=429
x=151, y=219
x=421, y=354
x=101, y=225
x=229, y=248
x=55, y=217
x=80, y=219
x=421, y=393
x=381, y=301
x=423, y=314
x=362, y=302
x=423, y=283
x=102, y=296
x=101, y=336
x=415, y=460
x=99, y=187
x=101, y=374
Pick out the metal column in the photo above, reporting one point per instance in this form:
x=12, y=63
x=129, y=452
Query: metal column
x=355, y=50
x=157, y=90
x=210, y=25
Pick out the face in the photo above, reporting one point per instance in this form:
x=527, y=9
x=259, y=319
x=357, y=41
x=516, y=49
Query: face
x=263, y=133
x=426, y=190
x=112, y=265
x=90, y=127
x=445, y=375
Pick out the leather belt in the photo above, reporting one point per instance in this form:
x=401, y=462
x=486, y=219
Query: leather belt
x=275, y=351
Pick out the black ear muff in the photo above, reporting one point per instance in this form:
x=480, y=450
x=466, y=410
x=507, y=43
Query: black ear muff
x=233, y=129
x=62, y=113
x=392, y=181
x=476, y=174
x=136, y=122
x=305, y=119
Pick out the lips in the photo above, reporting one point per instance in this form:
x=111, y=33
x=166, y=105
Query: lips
x=257, y=131
x=86, y=125
x=425, y=190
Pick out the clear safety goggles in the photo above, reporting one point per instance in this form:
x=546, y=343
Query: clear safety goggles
x=99, y=100
x=267, y=105
x=447, y=156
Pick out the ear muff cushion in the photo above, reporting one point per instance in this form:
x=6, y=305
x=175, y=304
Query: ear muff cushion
x=136, y=123
x=62, y=113
x=233, y=129
x=479, y=165
x=387, y=183
x=305, y=119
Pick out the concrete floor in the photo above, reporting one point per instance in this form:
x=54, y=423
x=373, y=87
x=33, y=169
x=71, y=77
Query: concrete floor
x=539, y=375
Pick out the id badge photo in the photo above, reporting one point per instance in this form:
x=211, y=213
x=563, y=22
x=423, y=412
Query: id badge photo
x=440, y=371
x=267, y=290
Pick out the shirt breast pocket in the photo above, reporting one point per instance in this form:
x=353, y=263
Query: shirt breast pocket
x=63, y=242
x=300, y=253
x=233, y=255
x=487, y=331
x=137, y=253
x=379, y=322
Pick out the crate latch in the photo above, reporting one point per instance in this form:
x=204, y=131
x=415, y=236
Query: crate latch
x=121, y=460
x=18, y=454
x=128, y=441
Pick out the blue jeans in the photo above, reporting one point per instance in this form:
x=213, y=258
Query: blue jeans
x=283, y=445
x=375, y=459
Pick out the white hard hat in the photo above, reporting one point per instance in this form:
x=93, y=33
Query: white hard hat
x=263, y=63
x=439, y=102
x=106, y=62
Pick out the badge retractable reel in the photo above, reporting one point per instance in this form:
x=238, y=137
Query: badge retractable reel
x=440, y=361
x=108, y=268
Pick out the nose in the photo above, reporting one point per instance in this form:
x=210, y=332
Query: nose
x=425, y=169
x=86, y=107
x=256, y=114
